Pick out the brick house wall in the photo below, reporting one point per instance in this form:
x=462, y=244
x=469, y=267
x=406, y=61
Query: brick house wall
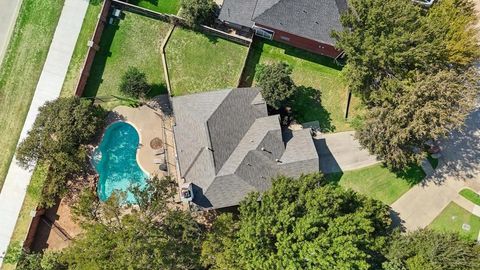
x=303, y=43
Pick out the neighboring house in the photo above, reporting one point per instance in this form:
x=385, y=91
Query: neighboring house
x=305, y=24
x=227, y=146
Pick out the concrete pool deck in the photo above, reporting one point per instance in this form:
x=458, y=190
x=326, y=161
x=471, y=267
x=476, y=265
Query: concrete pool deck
x=149, y=124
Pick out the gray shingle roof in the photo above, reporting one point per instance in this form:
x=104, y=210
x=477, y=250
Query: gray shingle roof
x=228, y=146
x=313, y=19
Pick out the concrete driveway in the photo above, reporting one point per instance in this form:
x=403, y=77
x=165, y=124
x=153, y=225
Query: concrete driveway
x=341, y=152
x=8, y=14
x=459, y=168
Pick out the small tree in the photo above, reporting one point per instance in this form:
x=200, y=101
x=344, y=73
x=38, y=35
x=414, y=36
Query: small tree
x=197, y=12
x=134, y=83
x=276, y=83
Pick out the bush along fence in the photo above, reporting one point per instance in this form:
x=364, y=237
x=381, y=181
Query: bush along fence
x=93, y=47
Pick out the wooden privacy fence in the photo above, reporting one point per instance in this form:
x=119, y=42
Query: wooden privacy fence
x=94, y=43
x=93, y=47
x=179, y=21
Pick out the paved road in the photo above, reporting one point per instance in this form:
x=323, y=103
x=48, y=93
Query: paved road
x=461, y=168
x=8, y=14
x=48, y=88
x=341, y=152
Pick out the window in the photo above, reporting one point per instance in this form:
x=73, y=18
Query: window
x=264, y=33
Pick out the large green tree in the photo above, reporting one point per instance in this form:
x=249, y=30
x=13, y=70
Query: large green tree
x=57, y=138
x=430, y=250
x=149, y=235
x=301, y=223
x=276, y=83
x=415, y=112
x=384, y=39
x=196, y=12
x=413, y=68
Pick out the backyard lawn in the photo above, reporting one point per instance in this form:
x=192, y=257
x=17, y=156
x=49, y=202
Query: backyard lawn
x=378, y=182
x=312, y=73
x=452, y=219
x=80, y=52
x=21, y=69
x=162, y=6
x=199, y=62
x=135, y=42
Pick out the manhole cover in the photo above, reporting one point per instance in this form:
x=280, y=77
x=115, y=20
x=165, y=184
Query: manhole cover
x=156, y=143
x=466, y=227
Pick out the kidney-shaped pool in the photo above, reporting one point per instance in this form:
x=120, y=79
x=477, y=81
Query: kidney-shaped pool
x=116, y=163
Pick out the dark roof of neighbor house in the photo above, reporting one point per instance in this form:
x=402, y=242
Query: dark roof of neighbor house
x=312, y=19
x=228, y=146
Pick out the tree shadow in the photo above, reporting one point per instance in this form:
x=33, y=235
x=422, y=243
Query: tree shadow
x=156, y=89
x=95, y=78
x=413, y=174
x=253, y=59
x=307, y=106
x=135, y=2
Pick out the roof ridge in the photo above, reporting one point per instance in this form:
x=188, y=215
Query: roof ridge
x=255, y=9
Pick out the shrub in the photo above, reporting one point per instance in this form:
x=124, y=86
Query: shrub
x=196, y=12
x=134, y=83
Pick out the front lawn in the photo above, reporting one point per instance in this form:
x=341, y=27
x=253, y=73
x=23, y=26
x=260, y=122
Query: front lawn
x=199, y=62
x=452, y=219
x=312, y=73
x=470, y=195
x=379, y=182
x=162, y=6
x=21, y=68
x=135, y=41
x=81, y=48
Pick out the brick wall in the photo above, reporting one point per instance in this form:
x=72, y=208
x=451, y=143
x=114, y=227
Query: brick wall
x=304, y=43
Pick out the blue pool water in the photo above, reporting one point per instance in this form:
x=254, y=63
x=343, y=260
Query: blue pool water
x=116, y=163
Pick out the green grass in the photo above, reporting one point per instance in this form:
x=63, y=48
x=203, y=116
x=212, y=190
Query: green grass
x=136, y=42
x=379, y=182
x=470, y=195
x=312, y=73
x=21, y=69
x=453, y=217
x=162, y=6
x=81, y=48
x=30, y=203
x=199, y=62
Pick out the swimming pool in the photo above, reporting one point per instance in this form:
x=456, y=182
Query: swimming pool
x=116, y=163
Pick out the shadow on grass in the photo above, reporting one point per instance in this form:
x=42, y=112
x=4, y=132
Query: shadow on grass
x=157, y=89
x=413, y=174
x=307, y=107
x=135, y=2
x=100, y=61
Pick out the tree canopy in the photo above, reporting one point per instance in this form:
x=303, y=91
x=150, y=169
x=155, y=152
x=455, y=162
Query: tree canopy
x=147, y=236
x=196, y=12
x=430, y=250
x=134, y=83
x=413, y=69
x=300, y=224
x=276, y=83
x=57, y=137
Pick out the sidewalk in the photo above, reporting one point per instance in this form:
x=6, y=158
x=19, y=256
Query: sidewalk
x=8, y=15
x=48, y=88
